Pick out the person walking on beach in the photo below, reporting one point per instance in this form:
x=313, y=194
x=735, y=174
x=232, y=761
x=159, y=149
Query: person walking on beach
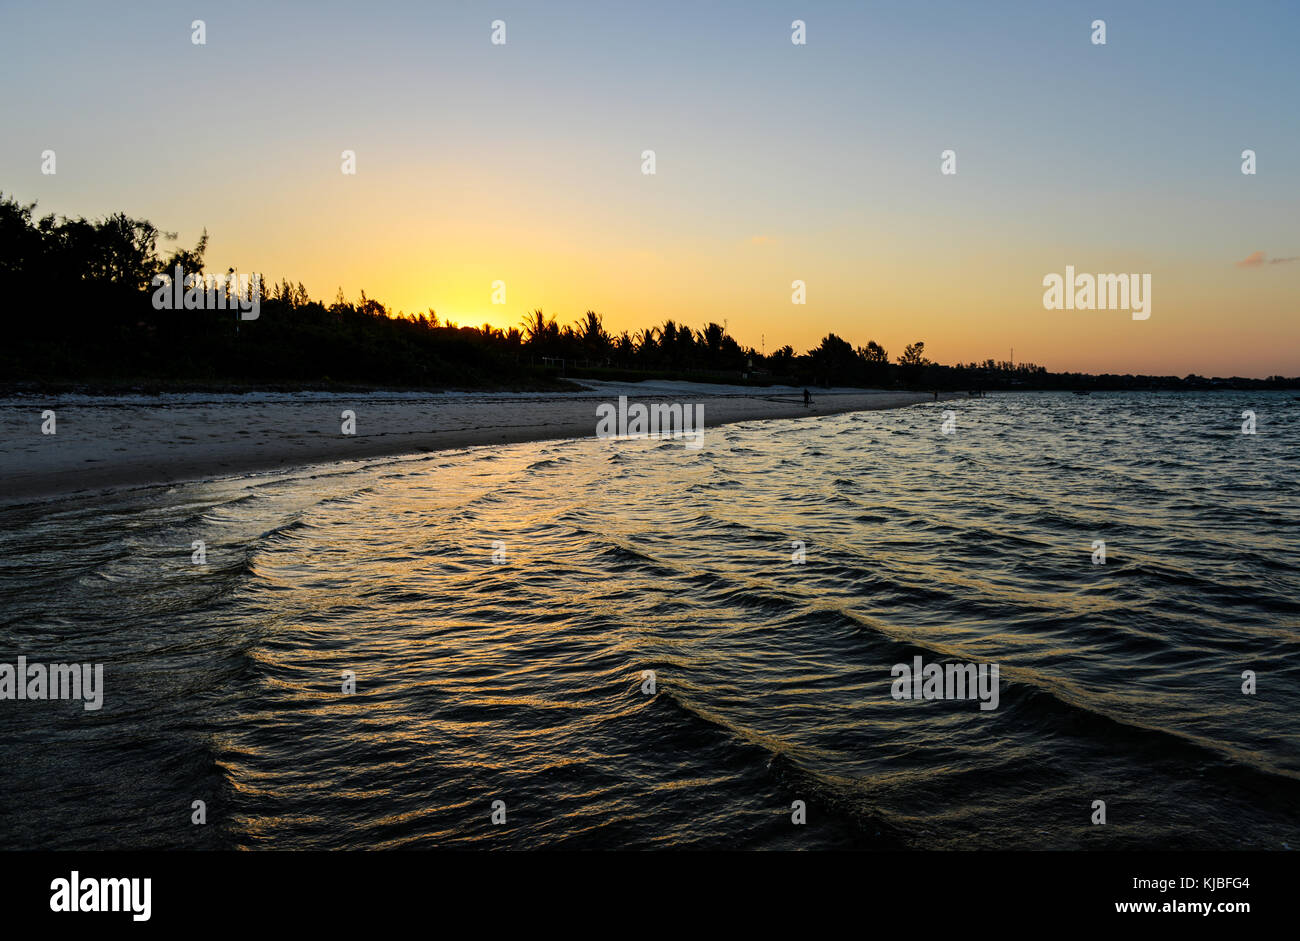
x=807, y=398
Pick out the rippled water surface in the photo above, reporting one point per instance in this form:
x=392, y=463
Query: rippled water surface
x=523, y=681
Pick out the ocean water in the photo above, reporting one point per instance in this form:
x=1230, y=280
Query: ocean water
x=520, y=679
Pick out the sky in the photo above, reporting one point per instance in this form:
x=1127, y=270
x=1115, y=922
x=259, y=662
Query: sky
x=774, y=162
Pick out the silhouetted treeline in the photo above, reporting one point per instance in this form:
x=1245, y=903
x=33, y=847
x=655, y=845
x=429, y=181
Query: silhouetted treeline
x=78, y=297
x=78, y=300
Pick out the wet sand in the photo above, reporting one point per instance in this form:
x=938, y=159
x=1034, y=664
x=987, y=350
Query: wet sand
x=110, y=443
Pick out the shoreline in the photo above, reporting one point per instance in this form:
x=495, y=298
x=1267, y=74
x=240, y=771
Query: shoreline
x=103, y=446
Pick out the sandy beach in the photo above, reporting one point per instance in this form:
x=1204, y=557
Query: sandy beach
x=105, y=443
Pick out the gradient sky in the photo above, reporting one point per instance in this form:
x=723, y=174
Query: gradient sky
x=775, y=162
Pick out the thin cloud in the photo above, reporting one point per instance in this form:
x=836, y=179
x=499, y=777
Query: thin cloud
x=1258, y=259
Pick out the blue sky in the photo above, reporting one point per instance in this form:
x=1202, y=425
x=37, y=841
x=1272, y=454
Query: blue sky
x=474, y=158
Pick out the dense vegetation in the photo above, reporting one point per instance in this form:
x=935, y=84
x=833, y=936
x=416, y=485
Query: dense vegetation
x=78, y=297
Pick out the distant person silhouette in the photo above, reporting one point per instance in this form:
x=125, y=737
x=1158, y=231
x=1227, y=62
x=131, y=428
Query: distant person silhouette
x=807, y=398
